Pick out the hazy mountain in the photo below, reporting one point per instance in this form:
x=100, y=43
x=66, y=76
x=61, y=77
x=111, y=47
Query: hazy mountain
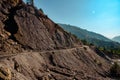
x=82, y=33
x=117, y=39
x=91, y=37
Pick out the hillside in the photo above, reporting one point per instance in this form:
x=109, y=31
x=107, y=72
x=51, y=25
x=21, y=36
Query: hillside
x=91, y=37
x=83, y=34
x=33, y=47
x=117, y=39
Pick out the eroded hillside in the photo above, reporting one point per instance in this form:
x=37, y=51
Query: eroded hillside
x=33, y=47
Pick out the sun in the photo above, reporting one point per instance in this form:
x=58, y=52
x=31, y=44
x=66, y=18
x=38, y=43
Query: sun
x=93, y=12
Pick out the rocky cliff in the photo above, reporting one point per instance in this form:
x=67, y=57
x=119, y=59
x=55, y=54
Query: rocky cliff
x=33, y=47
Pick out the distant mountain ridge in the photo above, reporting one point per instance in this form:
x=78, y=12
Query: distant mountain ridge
x=91, y=37
x=117, y=39
x=83, y=33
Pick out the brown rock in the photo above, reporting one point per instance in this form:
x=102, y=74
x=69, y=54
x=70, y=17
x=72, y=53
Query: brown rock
x=5, y=73
x=59, y=55
x=13, y=2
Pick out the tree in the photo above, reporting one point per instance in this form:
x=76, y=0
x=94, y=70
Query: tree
x=30, y=2
x=115, y=70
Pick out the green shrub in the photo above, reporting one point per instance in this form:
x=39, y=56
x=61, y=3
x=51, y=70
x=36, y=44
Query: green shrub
x=41, y=10
x=85, y=42
x=115, y=70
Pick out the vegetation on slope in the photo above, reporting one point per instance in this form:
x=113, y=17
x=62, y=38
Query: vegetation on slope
x=115, y=70
x=90, y=38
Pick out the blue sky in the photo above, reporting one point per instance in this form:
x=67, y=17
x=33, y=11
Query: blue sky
x=100, y=16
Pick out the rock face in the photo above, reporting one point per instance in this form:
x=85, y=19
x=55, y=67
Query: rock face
x=5, y=73
x=39, y=49
x=68, y=64
x=45, y=32
x=30, y=28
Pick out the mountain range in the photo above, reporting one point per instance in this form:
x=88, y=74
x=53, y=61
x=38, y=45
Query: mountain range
x=117, y=39
x=91, y=37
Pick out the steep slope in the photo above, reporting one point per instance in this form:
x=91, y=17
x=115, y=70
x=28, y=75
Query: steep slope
x=29, y=28
x=39, y=49
x=117, y=39
x=91, y=37
x=68, y=64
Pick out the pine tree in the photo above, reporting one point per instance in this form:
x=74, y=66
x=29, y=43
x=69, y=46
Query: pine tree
x=30, y=2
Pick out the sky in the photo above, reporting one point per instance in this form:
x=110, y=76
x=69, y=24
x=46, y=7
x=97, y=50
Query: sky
x=100, y=16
